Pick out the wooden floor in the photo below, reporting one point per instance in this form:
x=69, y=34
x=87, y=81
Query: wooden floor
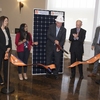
x=41, y=88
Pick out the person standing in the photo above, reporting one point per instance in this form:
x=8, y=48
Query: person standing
x=77, y=36
x=96, y=47
x=56, y=36
x=23, y=43
x=5, y=47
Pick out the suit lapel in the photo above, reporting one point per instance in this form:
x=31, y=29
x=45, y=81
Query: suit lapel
x=3, y=36
x=98, y=33
x=54, y=30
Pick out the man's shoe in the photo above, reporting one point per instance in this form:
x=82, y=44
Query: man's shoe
x=97, y=82
x=47, y=76
x=56, y=76
x=92, y=75
x=81, y=77
x=72, y=77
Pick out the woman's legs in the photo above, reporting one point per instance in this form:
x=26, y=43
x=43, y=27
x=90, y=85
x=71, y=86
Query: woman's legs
x=21, y=57
x=26, y=56
x=25, y=60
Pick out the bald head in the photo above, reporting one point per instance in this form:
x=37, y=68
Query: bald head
x=78, y=24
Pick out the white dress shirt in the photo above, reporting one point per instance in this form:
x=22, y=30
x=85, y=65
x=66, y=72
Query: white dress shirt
x=57, y=30
x=6, y=36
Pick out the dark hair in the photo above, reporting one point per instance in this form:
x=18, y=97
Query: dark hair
x=23, y=32
x=2, y=18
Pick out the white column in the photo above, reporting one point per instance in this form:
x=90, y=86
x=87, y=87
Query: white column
x=96, y=17
x=96, y=22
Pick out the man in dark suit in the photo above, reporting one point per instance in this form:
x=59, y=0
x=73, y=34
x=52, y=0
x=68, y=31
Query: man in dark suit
x=96, y=48
x=77, y=36
x=56, y=36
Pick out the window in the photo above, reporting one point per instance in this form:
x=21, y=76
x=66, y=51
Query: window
x=74, y=10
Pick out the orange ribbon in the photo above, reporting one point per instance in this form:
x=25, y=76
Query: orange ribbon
x=17, y=62
x=89, y=61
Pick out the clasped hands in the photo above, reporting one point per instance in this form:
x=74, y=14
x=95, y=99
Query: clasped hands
x=75, y=35
x=57, y=43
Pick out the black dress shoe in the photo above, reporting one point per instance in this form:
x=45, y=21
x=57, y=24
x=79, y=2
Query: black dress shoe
x=72, y=77
x=81, y=77
x=97, y=82
x=47, y=76
x=56, y=76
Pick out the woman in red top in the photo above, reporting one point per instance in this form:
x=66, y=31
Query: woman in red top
x=23, y=43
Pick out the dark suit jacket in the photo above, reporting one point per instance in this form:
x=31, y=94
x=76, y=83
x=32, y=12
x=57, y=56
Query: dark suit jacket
x=3, y=41
x=51, y=36
x=77, y=45
x=96, y=36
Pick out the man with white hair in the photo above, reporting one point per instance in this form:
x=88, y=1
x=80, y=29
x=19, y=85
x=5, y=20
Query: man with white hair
x=56, y=36
x=77, y=36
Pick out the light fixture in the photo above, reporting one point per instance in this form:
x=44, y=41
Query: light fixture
x=21, y=5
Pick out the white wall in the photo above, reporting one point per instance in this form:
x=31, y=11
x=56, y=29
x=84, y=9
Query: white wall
x=13, y=41
x=10, y=8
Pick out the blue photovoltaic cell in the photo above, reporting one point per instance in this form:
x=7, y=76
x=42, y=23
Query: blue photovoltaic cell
x=40, y=27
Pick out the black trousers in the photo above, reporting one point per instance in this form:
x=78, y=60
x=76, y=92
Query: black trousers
x=57, y=59
x=76, y=56
x=5, y=67
x=23, y=56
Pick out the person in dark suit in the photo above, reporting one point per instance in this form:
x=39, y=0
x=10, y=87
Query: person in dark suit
x=56, y=36
x=96, y=47
x=5, y=47
x=77, y=36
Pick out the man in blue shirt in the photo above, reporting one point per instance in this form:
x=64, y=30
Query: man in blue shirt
x=56, y=36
